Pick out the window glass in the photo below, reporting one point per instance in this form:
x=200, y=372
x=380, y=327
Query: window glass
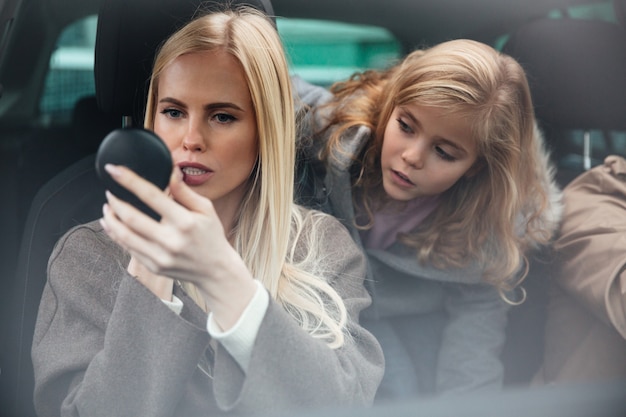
x=603, y=10
x=320, y=52
x=323, y=52
x=70, y=73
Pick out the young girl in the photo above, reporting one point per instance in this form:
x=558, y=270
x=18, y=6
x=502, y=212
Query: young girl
x=123, y=326
x=437, y=168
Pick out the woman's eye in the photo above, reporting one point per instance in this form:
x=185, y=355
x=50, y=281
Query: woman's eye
x=403, y=126
x=443, y=154
x=224, y=118
x=172, y=113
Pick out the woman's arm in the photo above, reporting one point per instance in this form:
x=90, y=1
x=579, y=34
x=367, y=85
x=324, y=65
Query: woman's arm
x=591, y=246
x=349, y=375
x=290, y=368
x=188, y=243
x=104, y=344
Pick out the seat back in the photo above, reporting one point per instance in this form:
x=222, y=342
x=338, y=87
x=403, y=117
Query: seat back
x=128, y=34
x=46, y=155
x=576, y=70
x=72, y=197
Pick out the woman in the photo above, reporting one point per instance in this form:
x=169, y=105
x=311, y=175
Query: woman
x=123, y=326
x=437, y=168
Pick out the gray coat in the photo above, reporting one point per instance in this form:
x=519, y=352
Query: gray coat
x=448, y=325
x=104, y=345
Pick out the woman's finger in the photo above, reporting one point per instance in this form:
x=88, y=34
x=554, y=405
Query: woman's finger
x=144, y=249
x=131, y=217
x=186, y=197
x=147, y=192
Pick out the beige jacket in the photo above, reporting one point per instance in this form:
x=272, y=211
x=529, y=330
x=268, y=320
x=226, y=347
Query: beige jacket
x=586, y=326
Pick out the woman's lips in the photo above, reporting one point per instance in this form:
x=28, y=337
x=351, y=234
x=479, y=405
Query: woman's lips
x=195, y=174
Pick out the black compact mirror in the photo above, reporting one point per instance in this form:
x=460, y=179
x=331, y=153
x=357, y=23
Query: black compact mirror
x=140, y=150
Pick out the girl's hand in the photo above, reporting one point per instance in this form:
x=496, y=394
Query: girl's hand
x=187, y=244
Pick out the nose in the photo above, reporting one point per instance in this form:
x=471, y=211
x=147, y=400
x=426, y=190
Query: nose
x=414, y=155
x=194, y=139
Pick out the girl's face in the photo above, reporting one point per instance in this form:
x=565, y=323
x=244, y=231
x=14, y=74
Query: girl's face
x=204, y=114
x=425, y=152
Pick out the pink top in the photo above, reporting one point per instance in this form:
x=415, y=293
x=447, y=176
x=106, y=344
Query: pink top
x=388, y=223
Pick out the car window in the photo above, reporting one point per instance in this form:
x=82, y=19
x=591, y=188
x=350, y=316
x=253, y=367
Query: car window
x=600, y=10
x=70, y=72
x=321, y=52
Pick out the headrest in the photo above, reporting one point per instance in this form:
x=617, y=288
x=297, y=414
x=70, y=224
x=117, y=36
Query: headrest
x=91, y=125
x=577, y=71
x=128, y=35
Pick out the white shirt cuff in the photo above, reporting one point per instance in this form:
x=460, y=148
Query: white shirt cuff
x=239, y=340
x=176, y=305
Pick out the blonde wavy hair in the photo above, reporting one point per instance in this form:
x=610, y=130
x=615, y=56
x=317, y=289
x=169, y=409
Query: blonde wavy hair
x=492, y=217
x=277, y=239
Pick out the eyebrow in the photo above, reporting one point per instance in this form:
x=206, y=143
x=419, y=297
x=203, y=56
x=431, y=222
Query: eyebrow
x=447, y=141
x=210, y=106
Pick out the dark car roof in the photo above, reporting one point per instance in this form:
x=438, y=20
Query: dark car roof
x=418, y=21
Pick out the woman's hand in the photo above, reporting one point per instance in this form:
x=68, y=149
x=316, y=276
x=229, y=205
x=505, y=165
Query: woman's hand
x=161, y=286
x=187, y=244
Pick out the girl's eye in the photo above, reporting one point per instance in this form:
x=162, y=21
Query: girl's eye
x=443, y=154
x=172, y=113
x=224, y=118
x=403, y=126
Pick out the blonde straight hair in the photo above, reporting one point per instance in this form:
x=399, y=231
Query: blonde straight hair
x=277, y=239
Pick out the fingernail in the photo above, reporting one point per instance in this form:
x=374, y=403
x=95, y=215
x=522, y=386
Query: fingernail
x=113, y=170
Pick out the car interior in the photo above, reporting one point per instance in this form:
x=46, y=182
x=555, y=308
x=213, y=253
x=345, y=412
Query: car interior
x=59, y=99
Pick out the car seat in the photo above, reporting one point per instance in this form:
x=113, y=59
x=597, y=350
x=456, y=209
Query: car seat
x=577, y=75
x=128, y=34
